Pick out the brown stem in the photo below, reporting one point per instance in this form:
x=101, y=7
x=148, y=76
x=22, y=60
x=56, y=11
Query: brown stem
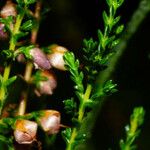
x=29, y=65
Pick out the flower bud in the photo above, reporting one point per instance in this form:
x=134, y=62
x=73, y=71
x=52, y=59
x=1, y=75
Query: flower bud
x=9, y=9
x=56, y=57
x=46, y=86
x=21, y=58
x=39, y=58
x=3, y=34
x=50, y=121
x=25, y=131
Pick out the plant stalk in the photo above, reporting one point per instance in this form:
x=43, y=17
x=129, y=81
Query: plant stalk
x=7, y=69
x=81, y=111
x=29, y=65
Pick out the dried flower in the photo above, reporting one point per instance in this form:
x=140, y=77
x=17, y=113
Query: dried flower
x=3, y=34
x=39, y=58
x=25, y=131
x=50, y=121
x=48, y=85
x=56, y=57
x=9, y=9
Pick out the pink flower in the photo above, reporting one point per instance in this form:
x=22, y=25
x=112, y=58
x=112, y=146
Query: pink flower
x=56, y=57
x=50, y=121
x=47, y=86
x=9, y=9
x=25, y=131
x=39, y=58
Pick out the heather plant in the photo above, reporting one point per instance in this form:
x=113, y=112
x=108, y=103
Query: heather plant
x=19, y=25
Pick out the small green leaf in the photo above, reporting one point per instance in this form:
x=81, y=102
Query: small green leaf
x=66, y=134
x=109, y=2
x=72, y=65
x=26, y=51
x=4, y=128
x=9, y=121
x=7, y=53
x=119, y=29
x=109, y=87
x=116, y=20
x=100, y=35
x=27, y=26
x=3, y=139
x=70, y=106
x=105, y=18
x=138, y=113
x=7, y=21
x=120, y=2
x=10, y=80
x=28, y=2
x=89, y=103
x=115, y=43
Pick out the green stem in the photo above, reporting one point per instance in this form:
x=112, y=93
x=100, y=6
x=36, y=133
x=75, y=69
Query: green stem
x=73, y=136
x=82, y=105
x=8, y=68
x=80, y=116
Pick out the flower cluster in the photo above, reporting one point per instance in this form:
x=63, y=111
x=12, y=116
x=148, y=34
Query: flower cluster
x=43, y=63
x=25, y=131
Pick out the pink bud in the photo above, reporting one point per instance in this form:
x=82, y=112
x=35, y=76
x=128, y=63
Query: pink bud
x=3, y=34
x=50, y=121
x=25, y=131
x=47, y=87
x=39, y=58
x=21, y=58
x=56, y=57
x=9, y=9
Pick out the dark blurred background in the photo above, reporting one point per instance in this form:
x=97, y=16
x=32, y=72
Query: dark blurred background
x=68, y=23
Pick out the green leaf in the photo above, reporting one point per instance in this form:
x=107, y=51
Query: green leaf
x=89, y=45
x=28, y=2
x=7, y=53
x=9, y=121
x=66, y=134
x=138, y=113
x=10, y=80
x=89, y=103
x=27, y=26
x=7, y=141
x=70, y=106
x=105, y=18
x=119, y=29
x=3, y=139
x=4, y=128
x=120, y=2
x=72, y=65
x=115, y=43
x=100, y=35
x=26, y=51
x=132, y=130
x=7, y=21
x=116, y=20
x=109, y=2
x=109, y=87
